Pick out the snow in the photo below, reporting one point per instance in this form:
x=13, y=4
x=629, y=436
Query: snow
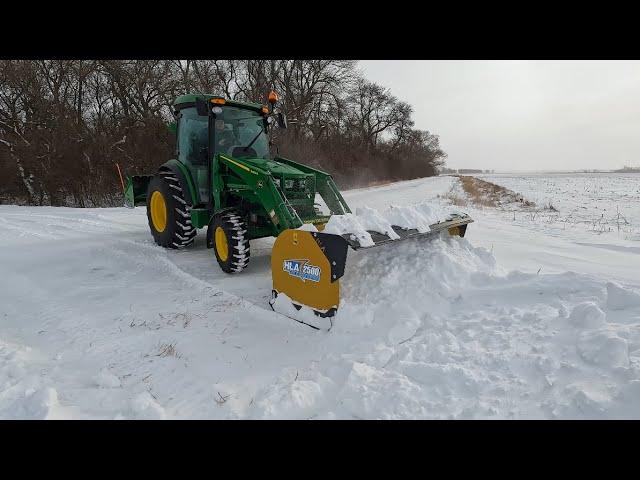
x=604, y=348
x=107, y=379
x=308, y=227
x=284, y=305
x=607, y=203
x=522, y=318
x=419, y=216
x=587, y=315
x=143, y=406
x=349, y=223
x=620, y=298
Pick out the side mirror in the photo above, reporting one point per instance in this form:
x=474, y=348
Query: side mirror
x=202, y=107
x=282, y=120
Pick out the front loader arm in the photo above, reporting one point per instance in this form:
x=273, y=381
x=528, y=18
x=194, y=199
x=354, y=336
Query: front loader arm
x=281, y=213
x=325, y=186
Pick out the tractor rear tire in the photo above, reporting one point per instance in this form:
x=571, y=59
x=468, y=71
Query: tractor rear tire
x=230, y=241
x=168, y=212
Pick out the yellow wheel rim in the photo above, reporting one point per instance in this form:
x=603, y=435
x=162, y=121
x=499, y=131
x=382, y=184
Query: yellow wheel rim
x=158, y=211
x=222, y=247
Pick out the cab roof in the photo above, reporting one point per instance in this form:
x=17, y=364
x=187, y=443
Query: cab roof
x=190, y=98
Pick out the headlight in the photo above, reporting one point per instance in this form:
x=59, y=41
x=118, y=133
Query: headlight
x=302, y=184
x=288, y=183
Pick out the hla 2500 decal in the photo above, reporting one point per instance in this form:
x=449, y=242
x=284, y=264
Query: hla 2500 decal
x=302, y=270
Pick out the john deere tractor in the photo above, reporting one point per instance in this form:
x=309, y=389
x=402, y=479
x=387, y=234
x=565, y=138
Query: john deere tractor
x=225, y=178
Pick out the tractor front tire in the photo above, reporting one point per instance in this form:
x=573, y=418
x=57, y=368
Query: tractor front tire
x=230, y=241
x=168, y=213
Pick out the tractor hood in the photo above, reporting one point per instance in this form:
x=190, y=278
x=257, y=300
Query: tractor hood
x=276, y=168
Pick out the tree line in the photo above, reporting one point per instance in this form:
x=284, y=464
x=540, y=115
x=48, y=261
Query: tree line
x=64, y=124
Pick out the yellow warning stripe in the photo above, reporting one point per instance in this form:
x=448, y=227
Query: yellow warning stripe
x=244, y=167
x=316, y=220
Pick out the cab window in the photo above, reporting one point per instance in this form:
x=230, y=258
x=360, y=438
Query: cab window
x=192, y=137
x=235, y=128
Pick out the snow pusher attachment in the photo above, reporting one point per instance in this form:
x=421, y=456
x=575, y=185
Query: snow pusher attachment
x=306, y=266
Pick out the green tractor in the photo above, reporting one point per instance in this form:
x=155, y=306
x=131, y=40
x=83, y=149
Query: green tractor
x=225, y=178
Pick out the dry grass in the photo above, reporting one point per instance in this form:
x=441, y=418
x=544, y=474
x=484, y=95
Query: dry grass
x=167, y=350
x=486, y=194
x=456, y=200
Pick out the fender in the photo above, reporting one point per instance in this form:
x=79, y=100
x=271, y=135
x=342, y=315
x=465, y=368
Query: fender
x=184, y=178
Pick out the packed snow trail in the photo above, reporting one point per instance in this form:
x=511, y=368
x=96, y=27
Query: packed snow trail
x=98, y=322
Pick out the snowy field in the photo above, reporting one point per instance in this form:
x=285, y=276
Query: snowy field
x=526, y=317
x=603, y=203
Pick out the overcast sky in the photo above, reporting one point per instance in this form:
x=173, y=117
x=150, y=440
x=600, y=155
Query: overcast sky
x=522, y=115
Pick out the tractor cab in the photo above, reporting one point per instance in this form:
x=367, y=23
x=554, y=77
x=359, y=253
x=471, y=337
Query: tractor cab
x=208, y=126
x=230, y=128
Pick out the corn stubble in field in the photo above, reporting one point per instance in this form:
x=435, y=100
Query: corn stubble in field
x=598, y=203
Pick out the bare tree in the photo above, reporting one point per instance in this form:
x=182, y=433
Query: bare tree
x=64, y=123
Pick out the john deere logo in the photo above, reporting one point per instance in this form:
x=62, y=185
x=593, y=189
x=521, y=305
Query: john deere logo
x=302, y=270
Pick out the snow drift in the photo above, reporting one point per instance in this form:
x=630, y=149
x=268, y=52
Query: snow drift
x=419, y=216
x=436, y=329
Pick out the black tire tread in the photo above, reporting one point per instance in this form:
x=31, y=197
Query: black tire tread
x=181, y=232
x=239, y=251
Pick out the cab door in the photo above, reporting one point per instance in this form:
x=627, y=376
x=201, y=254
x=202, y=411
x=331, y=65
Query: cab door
x=193, y=134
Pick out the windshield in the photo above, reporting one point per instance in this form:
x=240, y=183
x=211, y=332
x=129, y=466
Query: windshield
x=235, y=128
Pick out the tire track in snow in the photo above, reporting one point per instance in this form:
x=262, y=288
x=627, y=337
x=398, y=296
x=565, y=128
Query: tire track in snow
x=158, y=258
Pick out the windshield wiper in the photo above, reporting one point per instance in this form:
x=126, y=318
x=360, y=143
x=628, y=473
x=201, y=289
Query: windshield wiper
x=252, y=141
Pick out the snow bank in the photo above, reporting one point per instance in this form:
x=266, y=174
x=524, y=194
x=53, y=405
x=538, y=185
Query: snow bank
x=349, y=223
x=436, y=329
x=418, y=216
x=587, y=315
x=620, y=298
x=604, y=348
x=413, y=271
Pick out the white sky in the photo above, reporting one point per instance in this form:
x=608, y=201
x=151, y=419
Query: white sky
x=522, y=115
